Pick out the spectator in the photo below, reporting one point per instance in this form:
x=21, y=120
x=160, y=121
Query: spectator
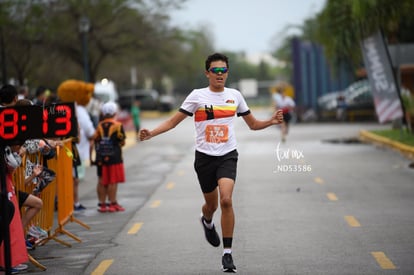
x=41, y=95
x=286, y=104
x=341, y=108
x=94, y=110
x=109, y=139
x=8, y=97
x=136, y=115
x=31, y=202
x=18, y=249
x=23, y=92
x=79, y=92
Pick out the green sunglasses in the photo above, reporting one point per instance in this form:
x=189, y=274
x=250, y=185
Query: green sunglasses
x=217, y=70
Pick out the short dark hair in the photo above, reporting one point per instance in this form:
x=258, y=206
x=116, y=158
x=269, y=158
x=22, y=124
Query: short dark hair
x=24, y=102
x=216, y=57
x=7, y=94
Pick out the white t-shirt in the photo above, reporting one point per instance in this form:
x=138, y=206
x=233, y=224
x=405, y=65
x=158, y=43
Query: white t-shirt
x=214, y=114
x=86, y=131
x=283, y=101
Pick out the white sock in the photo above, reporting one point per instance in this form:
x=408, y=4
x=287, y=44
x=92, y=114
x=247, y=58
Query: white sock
x=208, y=225
x=227, y=251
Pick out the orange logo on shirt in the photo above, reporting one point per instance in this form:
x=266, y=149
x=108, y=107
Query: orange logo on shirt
x=214, y=112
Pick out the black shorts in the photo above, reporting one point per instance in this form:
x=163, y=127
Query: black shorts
x=287, y=117
x=22, y=198
x=75, y=172
x=210, y=169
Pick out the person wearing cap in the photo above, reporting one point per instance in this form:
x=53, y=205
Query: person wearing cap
x=109, y=138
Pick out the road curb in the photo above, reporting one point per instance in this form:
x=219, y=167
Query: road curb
x=131, y=139
x=406, y=150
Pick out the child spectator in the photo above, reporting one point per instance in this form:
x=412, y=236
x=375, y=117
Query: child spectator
x=109, y=139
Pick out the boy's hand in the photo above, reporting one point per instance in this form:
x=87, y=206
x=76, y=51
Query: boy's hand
x=277, y=117
x=144, y=134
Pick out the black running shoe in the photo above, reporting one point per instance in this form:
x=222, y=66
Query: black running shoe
x=211, y=234
x=228, y=265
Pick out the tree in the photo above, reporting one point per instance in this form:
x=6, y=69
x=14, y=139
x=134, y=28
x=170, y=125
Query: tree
x=342, y=24
x=44, y=35
x=21, y=27
x=284, y=54
x=117, y=27
x=43, y=44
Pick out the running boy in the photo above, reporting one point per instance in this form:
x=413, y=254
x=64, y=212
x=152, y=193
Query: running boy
x=214, y=109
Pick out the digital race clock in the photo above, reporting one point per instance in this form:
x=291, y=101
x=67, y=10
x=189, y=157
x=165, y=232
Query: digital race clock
x=20, y=123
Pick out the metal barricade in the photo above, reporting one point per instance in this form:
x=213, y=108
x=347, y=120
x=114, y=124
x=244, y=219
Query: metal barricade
x=60, y=190
x=65, y=202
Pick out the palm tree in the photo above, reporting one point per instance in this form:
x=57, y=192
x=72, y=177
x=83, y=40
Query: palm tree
x=342, y=25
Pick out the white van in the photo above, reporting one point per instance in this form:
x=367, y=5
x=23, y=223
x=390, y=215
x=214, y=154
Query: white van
x=105, y=91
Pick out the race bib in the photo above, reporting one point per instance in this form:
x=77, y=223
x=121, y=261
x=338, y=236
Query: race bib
x=217, y=133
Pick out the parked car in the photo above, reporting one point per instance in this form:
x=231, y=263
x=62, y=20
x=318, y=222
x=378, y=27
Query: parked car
x=149, y=99
x=328, y=102
x=358, y=101
x=359, y=96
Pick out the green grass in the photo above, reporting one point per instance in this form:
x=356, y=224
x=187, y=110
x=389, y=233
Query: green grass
x=402, y=136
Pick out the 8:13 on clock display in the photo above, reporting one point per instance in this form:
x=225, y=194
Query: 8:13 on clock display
x=20, y=123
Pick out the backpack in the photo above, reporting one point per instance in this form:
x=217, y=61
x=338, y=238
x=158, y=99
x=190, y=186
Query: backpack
x=105, y=147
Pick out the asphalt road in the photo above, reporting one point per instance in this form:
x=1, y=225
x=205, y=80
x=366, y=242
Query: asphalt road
x=318, y=204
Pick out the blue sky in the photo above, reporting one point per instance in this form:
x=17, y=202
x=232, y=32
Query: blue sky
x=252, y=26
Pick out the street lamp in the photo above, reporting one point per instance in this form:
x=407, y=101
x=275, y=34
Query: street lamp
x=84, y=27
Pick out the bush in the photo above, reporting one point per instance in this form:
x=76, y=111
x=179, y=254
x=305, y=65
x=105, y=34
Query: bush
x=408, y=102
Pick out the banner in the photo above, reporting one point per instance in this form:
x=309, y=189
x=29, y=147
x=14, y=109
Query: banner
x=384, y=88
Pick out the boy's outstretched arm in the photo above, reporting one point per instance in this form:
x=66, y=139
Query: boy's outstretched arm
x=167, y=125
x=255, y=124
